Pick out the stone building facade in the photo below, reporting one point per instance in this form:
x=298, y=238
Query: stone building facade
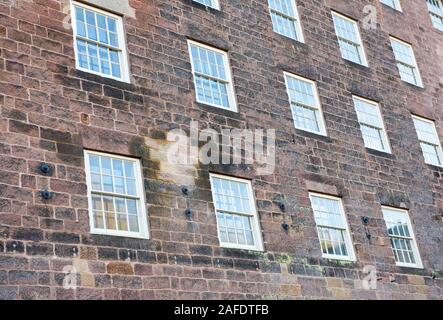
x=51, y=112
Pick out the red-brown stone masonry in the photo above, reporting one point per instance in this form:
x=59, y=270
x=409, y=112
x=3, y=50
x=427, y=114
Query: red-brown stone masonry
x=50, y=112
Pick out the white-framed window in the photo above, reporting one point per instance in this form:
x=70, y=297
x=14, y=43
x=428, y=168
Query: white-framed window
x=429, y=141
x=116, y=198
x=214, y=4
x=332, y=227
x=285, y=18
x=99, y=46
x=406, y=63
x=402, y=238
x=237, y=218
x=305, y=104
x=435, y=8
x=351, y=45
x=371, y=124
x=212, y=76
x=395, y=4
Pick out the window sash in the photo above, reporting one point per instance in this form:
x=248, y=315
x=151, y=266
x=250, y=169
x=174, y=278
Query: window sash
x=134, y=216
x=380, y=143
x=250, y=214
x=292, y=92
x=131, y=219
x=428, y=136
x=243, y=234
x=301, y=118
x=280, y=26
x=348, y=54
x=411, y=77
x=437, y=21
x=431, y=156
x=333, y=239
x=403, y=250
x=403, y=53
x=225, y=200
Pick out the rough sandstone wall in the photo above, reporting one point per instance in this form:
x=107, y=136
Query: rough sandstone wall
x=50, y=112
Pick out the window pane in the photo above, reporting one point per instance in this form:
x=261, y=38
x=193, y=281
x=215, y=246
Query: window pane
x=79, y=14
x=122, y=222
x=120, y=205
x=117, y=166
x=116, y=71
x=112, y=25
x=83, y=61
x=132, y=206
x=93, y=57
x=133, y=223
x=81, y=29
x=130, y=187
x=99, y=221
x=129, y=169
x=94, y=163
x=108, y=184
x=96, y=182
